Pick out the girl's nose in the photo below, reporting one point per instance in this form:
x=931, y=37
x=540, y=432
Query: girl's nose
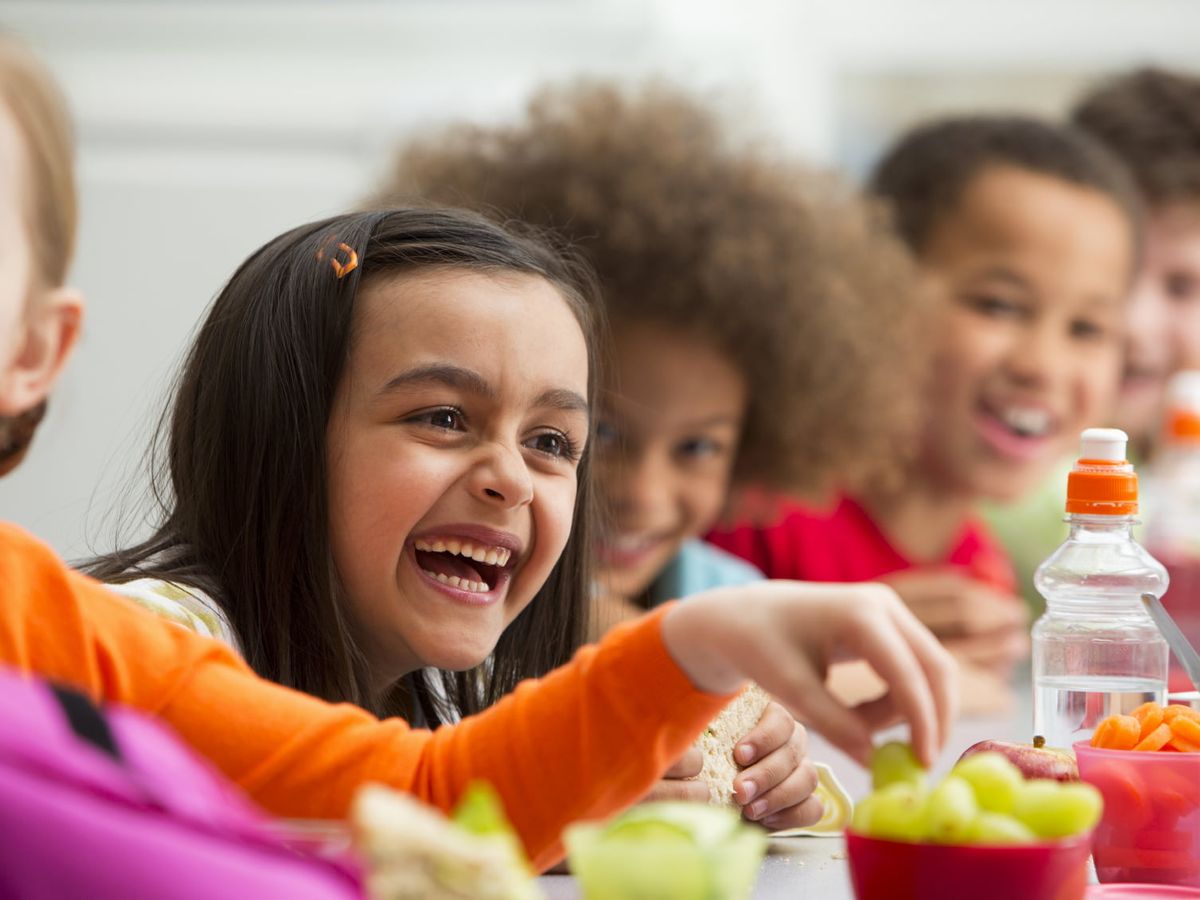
x=1036, y=354
x=641, y=484
x=503, y=477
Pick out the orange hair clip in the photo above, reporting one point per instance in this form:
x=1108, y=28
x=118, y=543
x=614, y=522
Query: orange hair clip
x=341, y=269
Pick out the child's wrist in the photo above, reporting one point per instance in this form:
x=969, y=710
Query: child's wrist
x=686, y=631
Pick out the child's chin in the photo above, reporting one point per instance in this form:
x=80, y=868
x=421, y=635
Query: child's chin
x=459, y=658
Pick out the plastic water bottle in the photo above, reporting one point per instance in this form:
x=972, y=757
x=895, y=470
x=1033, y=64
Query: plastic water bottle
x=1172, y=504
x=1096, y=651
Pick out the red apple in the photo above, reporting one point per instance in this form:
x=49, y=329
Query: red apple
x=1034, y=760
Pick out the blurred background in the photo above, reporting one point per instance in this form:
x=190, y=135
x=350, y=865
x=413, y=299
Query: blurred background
x=205, y=128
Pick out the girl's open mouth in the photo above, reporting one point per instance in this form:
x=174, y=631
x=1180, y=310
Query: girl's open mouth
x=1023, y=433
x=470, y=566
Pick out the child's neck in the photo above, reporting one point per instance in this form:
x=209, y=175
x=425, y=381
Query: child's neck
x=921, y=519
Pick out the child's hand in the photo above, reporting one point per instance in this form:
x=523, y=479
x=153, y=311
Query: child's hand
x=981, y=625
x=783, y=635
x=776, y=785
x=673, y=787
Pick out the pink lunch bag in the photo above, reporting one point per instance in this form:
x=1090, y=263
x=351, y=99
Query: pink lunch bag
x=102, y=803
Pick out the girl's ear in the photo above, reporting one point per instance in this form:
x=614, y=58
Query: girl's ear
x=49, y=333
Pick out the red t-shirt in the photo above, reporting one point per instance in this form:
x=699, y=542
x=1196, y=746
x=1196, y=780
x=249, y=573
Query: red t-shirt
x=844, y=543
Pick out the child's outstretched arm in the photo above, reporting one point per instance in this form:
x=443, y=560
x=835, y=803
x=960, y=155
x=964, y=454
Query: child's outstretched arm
x=584, y=742
x=784, y=634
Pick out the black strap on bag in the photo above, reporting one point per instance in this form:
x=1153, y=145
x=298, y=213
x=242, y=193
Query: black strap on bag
x=86, y=720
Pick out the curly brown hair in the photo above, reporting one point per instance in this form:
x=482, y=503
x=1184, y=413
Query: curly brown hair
x=786, y=271
x=1150, y=118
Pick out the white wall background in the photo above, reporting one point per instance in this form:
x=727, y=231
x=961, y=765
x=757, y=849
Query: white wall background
x=205, y=128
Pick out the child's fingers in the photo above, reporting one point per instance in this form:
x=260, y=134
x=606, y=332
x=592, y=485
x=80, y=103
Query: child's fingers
x=688, y=765
x=993, y=650
x=797, y=787
x=796, y=686
x=940, y=677
x=675, y=789
x=769, y=772
x=879, y=713
x=802, y=815
x=950, y=603
x=776, y=727
x=909, y=659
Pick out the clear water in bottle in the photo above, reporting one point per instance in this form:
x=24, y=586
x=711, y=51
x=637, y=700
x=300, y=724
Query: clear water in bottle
x=1096, y=651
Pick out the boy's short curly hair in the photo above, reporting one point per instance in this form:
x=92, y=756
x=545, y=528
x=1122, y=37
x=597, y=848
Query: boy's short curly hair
x=787, y=272
x=1150, y=118
x=926, y=171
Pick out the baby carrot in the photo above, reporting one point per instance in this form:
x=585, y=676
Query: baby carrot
x=1156, y=739
x=1175, y=710
x=1117, y=733
x=1185, y=731
x=1150, y=715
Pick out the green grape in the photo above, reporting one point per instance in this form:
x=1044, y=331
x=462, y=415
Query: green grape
x=1054, y=810
x=995, y=779
x=896, y=813
x=864, y=812
x=895, y=763
x=950, y=810
x=997, y=828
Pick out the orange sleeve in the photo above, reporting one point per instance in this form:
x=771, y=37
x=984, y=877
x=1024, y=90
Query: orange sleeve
x=583, y=742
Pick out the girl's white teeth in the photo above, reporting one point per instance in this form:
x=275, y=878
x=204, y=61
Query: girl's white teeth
x=628, y=543
x=490, y=556
x=463, y=584
x=1025, y=421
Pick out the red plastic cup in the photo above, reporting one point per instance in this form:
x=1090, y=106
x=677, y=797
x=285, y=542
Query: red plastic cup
x=1150, y=831
x=895, y=870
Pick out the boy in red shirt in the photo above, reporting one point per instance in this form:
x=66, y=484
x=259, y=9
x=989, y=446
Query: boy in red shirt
x=1024, y=233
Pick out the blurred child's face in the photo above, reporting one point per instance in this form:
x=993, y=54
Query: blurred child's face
x=38, y=323
x=453, y=450
x=666, y=441
x=1033, y=271
x=16, y=264
x=1163, y=322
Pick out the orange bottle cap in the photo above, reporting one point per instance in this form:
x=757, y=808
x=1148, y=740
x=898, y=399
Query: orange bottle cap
x=1102, y=483
x=1183, y=407
x=1183, y=425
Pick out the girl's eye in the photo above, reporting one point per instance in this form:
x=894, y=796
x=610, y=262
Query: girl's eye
x=1182, y=287
x=446, y=418
x=693, y=448
x=1087, y=330
x=993, y=306
x=606, y=432
x=553, y=443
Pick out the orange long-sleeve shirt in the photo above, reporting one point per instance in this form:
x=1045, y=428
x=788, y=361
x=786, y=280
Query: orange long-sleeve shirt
x=583, y=742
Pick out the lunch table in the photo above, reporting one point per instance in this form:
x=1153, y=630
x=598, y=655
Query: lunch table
x=797, y=868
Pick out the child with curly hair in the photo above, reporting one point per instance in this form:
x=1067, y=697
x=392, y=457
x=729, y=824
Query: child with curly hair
x=1024, y=233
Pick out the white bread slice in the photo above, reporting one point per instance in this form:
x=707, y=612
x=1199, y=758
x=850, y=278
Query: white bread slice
x=718, y=740
x=413, y=852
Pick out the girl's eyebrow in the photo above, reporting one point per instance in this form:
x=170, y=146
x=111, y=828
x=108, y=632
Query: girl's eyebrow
x=469, y=380
x=563, y=399
x=444, y=374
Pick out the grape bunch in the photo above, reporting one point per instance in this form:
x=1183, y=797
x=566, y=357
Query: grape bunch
x=984, y=800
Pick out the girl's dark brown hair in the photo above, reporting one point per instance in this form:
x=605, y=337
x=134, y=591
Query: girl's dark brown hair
x=242, y=483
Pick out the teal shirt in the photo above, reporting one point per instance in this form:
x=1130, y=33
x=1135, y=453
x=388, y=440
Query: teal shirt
x=697, y=567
